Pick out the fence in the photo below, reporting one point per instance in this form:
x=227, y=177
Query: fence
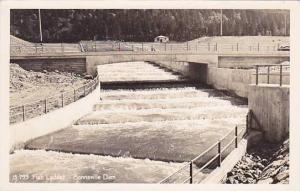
x=188, y=173
x=266, y=71
x=40, y=107
x=103, y=46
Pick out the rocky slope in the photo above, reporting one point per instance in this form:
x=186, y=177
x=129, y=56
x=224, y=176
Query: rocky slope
x=263, y=164
x=27, y=86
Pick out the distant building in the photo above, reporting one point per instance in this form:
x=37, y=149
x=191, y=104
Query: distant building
x=161, y=39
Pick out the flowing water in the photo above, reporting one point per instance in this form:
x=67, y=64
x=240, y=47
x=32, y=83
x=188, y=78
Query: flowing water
x=132, y=136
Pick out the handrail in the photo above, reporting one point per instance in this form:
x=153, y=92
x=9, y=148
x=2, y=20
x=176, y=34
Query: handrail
x=102, y=46
x=60, y=98
x=218, y=155
x=268, y=66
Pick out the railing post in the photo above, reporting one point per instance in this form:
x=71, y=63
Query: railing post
x=237, y=47
x=119, y=46
x=165, y=46
x=256, y=77
x=268, y=75
x=74, y=95
x=208, y=47
x=62, y=100
x=280, y=76
x=187, y=46
x=258, y=47
x=216, y=47
x=191, y=172
x=219, y=152
x=247, y=121
x=95, y=46
x=35, y=48
x=142, y=46
x=45, y=103
x=62, y=48
x=23, y=112
x=236, y=136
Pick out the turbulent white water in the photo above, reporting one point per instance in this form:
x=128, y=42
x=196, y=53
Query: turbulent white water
x=167, y=124
x=133, y=71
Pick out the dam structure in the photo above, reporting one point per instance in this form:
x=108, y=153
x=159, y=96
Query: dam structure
x=160, y=113
x=135, y=134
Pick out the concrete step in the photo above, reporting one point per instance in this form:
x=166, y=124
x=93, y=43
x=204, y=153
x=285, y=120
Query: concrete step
x=137, y=104
x=153, y=115
x=150, y=84
x=159, y=93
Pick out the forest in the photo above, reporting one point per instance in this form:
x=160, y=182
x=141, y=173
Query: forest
x=73, y=25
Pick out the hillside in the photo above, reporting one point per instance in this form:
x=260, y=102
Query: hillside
x=62, y=25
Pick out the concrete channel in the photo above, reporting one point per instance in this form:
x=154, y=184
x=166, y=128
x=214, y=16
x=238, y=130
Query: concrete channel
x=133, y=135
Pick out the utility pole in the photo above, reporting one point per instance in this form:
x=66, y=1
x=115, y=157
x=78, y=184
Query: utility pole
x=40, y=23
x=221, y=23
x=285, y=31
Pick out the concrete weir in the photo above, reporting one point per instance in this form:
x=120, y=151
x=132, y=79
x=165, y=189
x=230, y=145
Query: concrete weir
x=140, y=135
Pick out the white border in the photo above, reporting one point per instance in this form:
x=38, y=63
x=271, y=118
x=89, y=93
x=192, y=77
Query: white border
x=294, y=7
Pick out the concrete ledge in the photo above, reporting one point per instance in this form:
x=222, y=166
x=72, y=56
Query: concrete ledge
x=53, y=121
x=217, y=175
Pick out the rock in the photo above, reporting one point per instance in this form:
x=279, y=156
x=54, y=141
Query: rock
x=38, y=76
x=56, y=71
x=88, y=77
x=260, y=166
x=267, y=172
x=264, y=162
x=281, y=176
x=278, y=163
x=231, y=173
x=248, y=175
x=280, y=157
x=265, y=181
x=251, y=180
x=45, y=71
x=274, y=173
x=230, y=180
x=258, y=172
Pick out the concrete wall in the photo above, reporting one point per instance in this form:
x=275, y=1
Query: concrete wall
x=93, y=60
x=52, y=121
x=235, y=80
x=195, y=71
x=270, y=105
x=75, y=65
x=248, y=61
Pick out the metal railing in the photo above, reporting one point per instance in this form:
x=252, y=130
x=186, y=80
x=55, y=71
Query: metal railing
x=43, y=106
x=104, y=46
x=187, y=173
x=279, y=70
